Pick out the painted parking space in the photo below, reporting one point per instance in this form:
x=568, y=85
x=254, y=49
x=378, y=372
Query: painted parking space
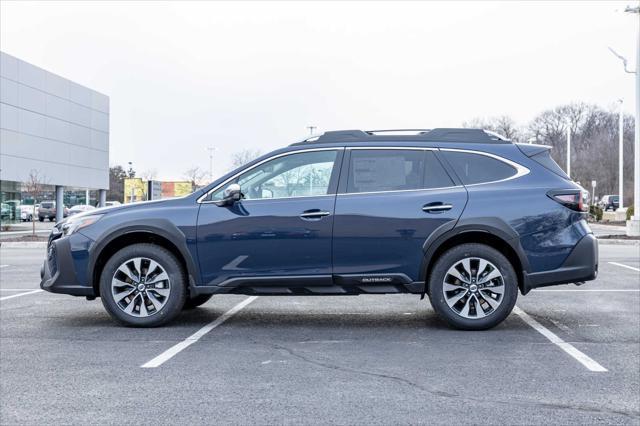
x=366, y=359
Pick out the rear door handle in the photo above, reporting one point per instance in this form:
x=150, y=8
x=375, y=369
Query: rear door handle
x=436, y=207
x=314, y=214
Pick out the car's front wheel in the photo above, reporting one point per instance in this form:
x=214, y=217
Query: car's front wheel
x=143, y=285
x=473, y=287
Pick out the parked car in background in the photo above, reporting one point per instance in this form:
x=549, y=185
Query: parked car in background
x=27, y=212
x=609, y=202
x=110, y=203
x=80, y=208
x=5, y=211
x=47, y=210
x=461, y=216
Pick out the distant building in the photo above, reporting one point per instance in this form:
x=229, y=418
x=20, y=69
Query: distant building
x=55, y=127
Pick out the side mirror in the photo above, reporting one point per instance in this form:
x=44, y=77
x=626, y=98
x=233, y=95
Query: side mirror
x=230, y=195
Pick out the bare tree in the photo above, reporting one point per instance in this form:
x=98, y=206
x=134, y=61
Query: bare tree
x=241, y=158
x=594, y=142
x=502, y=125
x=34, y=187
x=195, y=176
x=150, y=174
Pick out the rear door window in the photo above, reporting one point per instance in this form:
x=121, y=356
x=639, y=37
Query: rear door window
x=477, y=168
x=385, y=170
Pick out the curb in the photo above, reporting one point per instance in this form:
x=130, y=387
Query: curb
x=24, y=244
x=619, y=242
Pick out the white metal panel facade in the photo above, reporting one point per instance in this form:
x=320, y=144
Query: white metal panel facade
x=52, y=125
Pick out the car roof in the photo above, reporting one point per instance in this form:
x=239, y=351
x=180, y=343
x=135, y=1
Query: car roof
x=441, y=135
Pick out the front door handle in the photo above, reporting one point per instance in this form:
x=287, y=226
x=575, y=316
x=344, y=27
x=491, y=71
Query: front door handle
x=314, y=214
x=437, y=207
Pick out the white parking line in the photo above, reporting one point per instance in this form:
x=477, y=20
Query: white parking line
x=174, y=350
x=567, y=347
x=3, y=266
x=625, y=266
x=38, y=231
x=20, y=294
x=16, y=289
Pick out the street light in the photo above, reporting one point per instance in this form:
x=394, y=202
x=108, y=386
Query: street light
x=211, y=149
x=133, y=194
x=569, y=147
x=633, y=226
x=620, y=156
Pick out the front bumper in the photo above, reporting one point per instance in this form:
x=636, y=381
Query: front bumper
x=581, y=265
x=59, y=273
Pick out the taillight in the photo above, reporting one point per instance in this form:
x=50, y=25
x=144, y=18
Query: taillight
x=570, y=198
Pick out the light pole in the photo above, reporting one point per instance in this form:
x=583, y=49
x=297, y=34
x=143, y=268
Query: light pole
x=633, y=226
x=211, y=149
x=569, y=147
x=133, y=193
x=620, y=157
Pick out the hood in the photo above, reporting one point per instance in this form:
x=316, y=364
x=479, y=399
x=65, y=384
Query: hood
x=121, y=207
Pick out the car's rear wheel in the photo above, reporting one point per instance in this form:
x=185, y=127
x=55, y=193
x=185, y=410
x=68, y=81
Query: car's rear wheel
x=194, y=302
x=41, y=219
x=473, y=287
x=143, y=285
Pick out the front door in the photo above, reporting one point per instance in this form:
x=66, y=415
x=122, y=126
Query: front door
x=390, y=201
x=281, y=229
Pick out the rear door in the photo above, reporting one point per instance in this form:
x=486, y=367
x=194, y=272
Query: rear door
x=390, y=201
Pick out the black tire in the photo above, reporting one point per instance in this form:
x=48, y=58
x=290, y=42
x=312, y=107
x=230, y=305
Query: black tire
x=41, y=219
x=451, y=258
x=194, y=302
x=51, y=219
x=177, y=278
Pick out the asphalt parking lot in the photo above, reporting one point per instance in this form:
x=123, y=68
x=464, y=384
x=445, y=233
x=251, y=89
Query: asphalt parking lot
x=570, y=355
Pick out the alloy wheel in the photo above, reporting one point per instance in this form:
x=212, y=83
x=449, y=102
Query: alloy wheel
x=140, y=287
x=473, y=288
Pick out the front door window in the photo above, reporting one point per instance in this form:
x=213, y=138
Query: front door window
x=304, y=174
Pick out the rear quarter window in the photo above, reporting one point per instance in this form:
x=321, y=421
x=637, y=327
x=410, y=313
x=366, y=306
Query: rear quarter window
x=477, y=168
x=545, y=160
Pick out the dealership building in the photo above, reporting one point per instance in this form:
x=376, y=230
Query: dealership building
x=56, y=129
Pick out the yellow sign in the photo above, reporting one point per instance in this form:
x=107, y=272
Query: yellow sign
x=182, y=188
x=135, y=189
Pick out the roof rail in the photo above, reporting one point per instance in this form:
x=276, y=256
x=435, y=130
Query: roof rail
x=420, y=131
x=422, y=135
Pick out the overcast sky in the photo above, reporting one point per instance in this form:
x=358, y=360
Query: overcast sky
x=183, y=76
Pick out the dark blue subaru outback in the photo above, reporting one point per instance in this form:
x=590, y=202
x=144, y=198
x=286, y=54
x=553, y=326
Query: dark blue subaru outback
x=460, y=215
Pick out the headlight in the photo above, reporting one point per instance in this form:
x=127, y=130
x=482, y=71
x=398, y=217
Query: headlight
x=75, y=224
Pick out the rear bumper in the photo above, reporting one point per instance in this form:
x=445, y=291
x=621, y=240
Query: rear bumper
x=58, y=273
x=581, y=265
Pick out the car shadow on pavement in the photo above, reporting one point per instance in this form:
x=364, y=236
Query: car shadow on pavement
x=285, y=317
